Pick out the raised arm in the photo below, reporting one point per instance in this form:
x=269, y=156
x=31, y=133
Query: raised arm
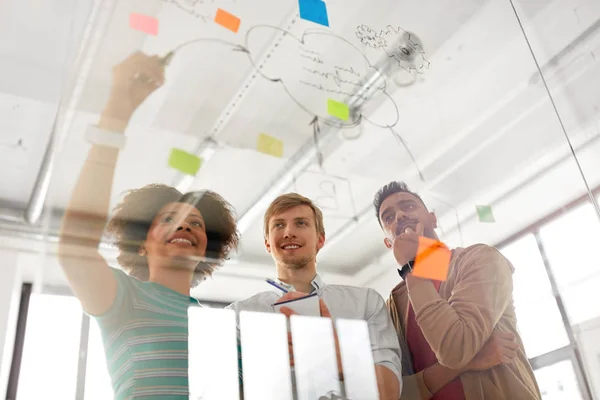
x=83, y=224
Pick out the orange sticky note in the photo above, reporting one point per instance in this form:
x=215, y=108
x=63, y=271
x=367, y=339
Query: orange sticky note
x=227, y=20
x=433, y=260
x=143, y=23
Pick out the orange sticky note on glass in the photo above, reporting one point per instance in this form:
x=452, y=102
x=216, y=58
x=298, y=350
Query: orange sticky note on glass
x=433, y=260
x=144, y=23
x=227, y=20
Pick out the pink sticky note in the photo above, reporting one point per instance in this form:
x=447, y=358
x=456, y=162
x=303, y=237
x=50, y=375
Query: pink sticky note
x=143, y=23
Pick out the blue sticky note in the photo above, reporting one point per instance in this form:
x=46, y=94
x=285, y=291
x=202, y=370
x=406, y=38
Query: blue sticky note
x=314, y=10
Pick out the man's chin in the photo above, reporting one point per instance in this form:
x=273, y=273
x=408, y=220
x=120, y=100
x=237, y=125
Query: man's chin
x=295, y=262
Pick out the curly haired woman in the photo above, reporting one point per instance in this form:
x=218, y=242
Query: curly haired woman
x=168, y=242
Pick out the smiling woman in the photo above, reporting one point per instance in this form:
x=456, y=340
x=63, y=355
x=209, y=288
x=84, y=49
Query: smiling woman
x=167, y=241
x=152, y=205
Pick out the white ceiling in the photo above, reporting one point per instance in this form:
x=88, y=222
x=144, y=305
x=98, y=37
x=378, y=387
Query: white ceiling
x=478, y=120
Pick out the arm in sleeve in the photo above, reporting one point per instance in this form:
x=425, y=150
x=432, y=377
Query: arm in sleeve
x=458, y=328
x=384, y=341
x=414, y=387
x=127, y=289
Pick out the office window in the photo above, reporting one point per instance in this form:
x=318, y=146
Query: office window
x=539, y=321
x=571, y=243
x=97, y=381
x=51, y=348
x=558, y=382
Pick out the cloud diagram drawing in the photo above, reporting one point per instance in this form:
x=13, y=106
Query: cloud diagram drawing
x=396, y=43
x=320, y=66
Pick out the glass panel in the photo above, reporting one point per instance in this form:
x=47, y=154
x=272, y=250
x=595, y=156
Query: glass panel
x=442, y=95
x=558, y=382
x=97, y=381
x=51, y=348
x=565, y=39
x=539, y=321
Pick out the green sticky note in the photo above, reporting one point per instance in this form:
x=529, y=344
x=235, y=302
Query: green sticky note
x=337, y=109
x=269, y=145
x=184, y=162
x=485, y=214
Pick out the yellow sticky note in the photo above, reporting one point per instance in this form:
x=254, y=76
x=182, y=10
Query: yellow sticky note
x=337, y=109
x=269, y=145
x=227, y=20
x=433, y=260
x=184, y=162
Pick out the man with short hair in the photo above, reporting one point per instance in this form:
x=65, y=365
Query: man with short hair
x=444, y=326
x=294, y=234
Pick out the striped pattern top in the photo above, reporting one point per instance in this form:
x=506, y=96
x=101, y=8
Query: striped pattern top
x=145, y=335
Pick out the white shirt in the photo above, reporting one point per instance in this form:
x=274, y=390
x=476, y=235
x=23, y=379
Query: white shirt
x=346, y=302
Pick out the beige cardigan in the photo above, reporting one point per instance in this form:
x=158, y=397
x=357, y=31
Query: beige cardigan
x=475, y=300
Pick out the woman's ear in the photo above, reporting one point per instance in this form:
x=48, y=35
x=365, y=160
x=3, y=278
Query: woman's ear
x=142, y=251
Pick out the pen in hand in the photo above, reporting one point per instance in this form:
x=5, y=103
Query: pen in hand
x=275, y=284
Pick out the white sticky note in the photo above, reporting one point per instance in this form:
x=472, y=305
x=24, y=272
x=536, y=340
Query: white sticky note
x=357, y=359
x=212, y=354
x=315, y=361
x=265, y=356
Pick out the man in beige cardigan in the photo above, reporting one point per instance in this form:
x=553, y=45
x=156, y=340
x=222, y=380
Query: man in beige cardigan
x=446, y=328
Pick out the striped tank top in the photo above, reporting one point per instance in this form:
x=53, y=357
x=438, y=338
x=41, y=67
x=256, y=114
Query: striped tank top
x=145, y=335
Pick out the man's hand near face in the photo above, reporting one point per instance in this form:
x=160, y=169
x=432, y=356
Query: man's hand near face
x=406, y=243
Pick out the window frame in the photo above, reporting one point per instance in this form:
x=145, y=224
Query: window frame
x=570, y=352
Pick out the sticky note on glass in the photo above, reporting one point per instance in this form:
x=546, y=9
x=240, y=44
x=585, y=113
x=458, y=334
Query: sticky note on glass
x=314, y=11
x=184, y=162
x=337, y=109
x=269, y=145
x=227, y=20
x=144, y=23
x=433, y=260
x=485, y=214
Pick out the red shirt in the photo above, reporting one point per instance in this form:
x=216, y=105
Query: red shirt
x=423, y=357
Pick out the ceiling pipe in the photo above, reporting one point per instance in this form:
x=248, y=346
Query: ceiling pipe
x=88, y=48
x=35, y=207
